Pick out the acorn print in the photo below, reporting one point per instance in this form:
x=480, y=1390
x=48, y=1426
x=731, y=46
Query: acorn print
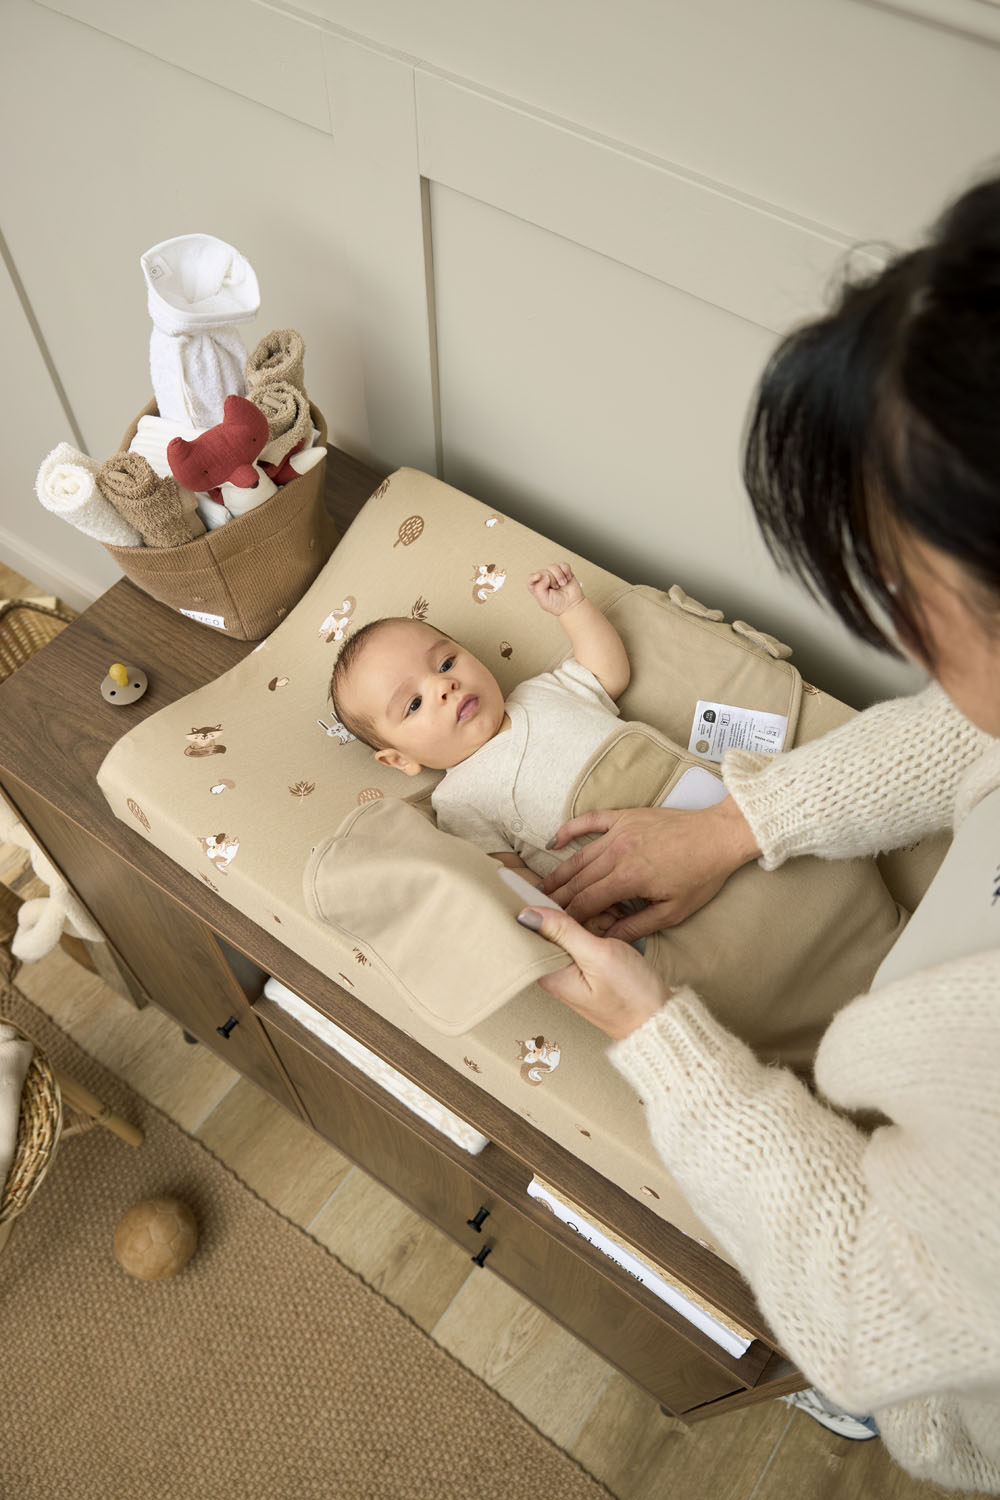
x=138, y=813
x=409, y=531
x=506, y=650
x=277, y=682
x=369, y=794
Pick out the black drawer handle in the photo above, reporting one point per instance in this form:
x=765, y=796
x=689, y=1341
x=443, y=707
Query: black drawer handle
x=225, y=1030
x=480, y=1259
x=480, y=1219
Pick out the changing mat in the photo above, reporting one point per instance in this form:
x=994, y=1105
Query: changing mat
x=245, y=782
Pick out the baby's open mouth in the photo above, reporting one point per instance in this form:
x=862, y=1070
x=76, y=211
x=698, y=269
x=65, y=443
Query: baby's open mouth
x=467, y=707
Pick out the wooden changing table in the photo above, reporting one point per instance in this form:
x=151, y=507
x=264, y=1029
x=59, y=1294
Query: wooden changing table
x=204, y=963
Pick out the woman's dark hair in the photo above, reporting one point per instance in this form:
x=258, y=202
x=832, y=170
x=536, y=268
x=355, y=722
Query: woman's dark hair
x=883, y=418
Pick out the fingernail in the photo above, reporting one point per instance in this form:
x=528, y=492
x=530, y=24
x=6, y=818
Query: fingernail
x=551, y=843
x=530, y=918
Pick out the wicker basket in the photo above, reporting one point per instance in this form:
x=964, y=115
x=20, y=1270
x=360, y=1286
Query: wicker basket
x=38, y=1131
x=25, y=627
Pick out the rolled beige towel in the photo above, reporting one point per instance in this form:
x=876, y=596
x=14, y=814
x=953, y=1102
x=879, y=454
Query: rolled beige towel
x=289, y=422
x=154, y=506
x=278, y=356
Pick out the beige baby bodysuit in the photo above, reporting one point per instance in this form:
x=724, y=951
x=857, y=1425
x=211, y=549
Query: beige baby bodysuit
x=512, y=792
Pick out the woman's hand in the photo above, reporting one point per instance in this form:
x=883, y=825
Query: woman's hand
x=676, y=860
x=607, y=983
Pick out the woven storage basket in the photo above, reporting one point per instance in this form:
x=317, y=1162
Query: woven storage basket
x=39, y=1126
x=25, y=627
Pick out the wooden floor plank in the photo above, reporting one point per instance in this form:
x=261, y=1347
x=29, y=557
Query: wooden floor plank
x=280, y=1157
x=541, y=1369
x=640, y=1453
x=397, y=1251
x=838, y=1469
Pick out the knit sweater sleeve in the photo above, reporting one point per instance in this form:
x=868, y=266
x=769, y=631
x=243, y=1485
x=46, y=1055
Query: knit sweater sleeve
x=875, y=1259
x=881, y=781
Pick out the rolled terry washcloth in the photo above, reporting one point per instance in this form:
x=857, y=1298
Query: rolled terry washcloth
x=198, y=290
x=289, y=423
x=67, y=486
x=278, y=356
x=151, y=504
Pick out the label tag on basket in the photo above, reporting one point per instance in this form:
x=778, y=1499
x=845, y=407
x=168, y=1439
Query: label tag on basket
x=218, y=621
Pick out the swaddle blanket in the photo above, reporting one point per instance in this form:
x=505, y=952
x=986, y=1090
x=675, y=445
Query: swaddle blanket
x=199, y=289
x=278, y=356
x=67, y=486
x=15, y=1059
x=154, y=506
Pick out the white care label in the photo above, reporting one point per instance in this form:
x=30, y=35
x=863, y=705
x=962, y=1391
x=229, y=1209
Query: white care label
x=219, y=621
x=719, y=727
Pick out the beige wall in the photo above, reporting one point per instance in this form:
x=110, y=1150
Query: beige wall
x=540, y=248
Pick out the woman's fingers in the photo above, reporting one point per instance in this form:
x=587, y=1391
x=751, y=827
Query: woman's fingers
x=576, y=828
x=607, y=982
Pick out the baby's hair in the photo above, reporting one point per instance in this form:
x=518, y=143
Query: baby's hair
x=360, y=725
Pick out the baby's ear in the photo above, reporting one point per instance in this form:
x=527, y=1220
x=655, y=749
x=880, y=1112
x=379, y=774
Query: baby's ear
x=398, y=762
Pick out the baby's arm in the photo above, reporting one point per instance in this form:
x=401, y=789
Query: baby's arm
x=595, y=641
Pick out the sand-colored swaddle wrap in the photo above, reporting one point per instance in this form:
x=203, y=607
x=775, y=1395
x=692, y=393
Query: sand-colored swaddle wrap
x=67, y=486
x=162, y=513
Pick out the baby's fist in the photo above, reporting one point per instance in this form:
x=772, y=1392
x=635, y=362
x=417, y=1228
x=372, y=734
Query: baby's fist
x=555, y=588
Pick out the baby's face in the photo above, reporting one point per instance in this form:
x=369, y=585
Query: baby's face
x=431, y=702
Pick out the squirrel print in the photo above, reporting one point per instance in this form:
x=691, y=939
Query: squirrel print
x=486, y=580
x=538, y=1058
x=221, y=849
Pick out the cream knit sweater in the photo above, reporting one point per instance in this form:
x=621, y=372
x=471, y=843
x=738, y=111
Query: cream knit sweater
x=875, y=1259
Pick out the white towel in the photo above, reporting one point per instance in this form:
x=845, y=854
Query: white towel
x=199, y=289
x=41, y=921
x=397, y=1084
x=15, y=1058
x=66, y=485
x=151, y=439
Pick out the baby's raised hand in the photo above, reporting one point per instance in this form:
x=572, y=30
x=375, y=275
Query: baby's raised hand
x=555, y=588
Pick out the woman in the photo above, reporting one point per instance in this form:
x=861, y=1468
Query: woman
x=873, y=462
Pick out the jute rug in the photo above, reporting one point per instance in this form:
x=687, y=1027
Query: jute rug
x=264, y=1371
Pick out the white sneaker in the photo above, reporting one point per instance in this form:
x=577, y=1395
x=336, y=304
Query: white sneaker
x=858, y=1429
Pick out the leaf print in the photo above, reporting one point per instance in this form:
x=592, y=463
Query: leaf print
x=359, y=957
x=409, y=530
x=138, y=813
x=302, y=789
x=420, y=608
x=470, y=1064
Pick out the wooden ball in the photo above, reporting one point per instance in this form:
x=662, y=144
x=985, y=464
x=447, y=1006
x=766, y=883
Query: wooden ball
x=155, y=1238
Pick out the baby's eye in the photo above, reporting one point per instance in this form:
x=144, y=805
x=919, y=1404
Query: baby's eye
x=413, y=705
x=447, y=664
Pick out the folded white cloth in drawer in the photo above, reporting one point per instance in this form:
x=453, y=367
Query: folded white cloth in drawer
x=397, y=1084
x=730, y=1336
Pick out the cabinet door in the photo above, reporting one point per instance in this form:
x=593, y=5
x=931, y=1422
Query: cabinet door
x=174, y=956
x=370, y=1127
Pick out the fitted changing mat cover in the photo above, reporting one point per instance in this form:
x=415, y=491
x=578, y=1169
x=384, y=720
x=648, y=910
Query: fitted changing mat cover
x=242, y=780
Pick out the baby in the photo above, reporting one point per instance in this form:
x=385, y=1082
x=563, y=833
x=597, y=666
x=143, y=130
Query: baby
x=420, y=699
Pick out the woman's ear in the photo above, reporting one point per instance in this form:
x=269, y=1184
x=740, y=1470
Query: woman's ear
x=398, y=762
